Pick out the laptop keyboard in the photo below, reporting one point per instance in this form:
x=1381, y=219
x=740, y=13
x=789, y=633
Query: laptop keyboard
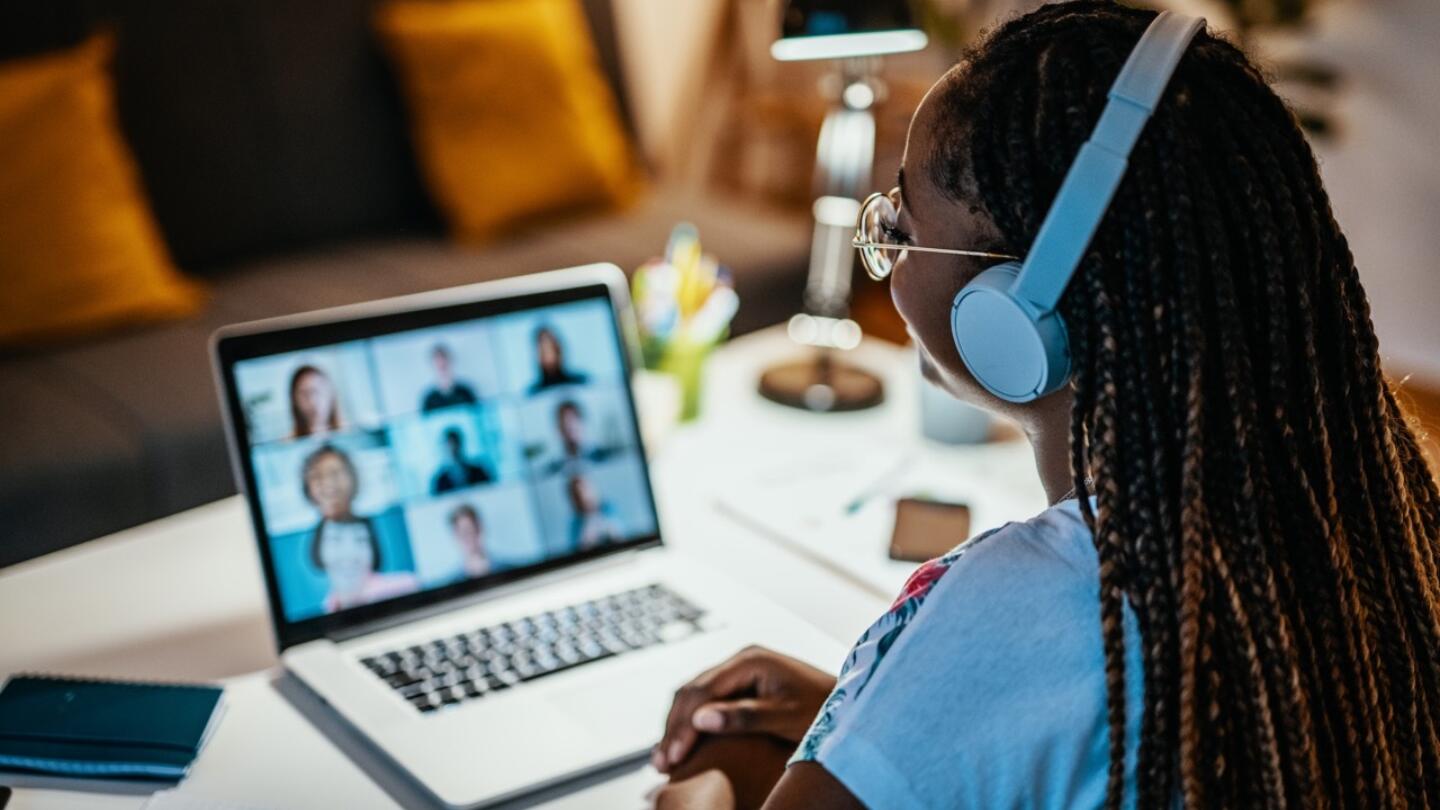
x=470, y=666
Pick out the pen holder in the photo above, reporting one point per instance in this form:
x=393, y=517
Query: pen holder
x=685, y=361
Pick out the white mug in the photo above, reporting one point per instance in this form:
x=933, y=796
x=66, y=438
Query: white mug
x=943, y=418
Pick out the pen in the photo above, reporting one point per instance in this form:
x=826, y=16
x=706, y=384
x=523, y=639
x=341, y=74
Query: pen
x=864, y=496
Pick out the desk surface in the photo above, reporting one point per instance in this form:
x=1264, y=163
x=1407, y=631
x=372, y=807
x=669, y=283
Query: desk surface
x=182, y=598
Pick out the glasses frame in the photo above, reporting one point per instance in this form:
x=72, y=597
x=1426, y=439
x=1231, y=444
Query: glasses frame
x=862, y=243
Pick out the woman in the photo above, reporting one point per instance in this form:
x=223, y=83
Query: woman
x=344, y=546
x=314, y=406
x=550, y=362
x=1233, y=601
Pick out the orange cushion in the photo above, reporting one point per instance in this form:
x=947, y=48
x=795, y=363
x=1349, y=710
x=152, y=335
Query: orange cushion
x=512, y=118
x=79, y=249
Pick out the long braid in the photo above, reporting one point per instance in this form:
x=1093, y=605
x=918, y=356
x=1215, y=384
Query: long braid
x=1260, y=502
x=1304, y=249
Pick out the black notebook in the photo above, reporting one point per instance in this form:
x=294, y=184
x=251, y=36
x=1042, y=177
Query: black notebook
x=108, y=729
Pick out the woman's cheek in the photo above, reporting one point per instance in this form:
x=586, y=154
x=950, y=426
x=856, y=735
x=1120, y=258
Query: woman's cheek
x=926, y=311
x=940, y=362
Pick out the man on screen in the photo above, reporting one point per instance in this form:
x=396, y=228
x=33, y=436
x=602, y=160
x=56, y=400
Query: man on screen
x=576, y=448
x=592, y=522
x=447, y=391
x=469, y=533
x=456, y=471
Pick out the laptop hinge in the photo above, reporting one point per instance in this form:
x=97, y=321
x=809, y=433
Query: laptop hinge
x=491, y=594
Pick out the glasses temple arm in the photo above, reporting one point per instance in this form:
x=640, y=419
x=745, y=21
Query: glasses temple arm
x=864, y=243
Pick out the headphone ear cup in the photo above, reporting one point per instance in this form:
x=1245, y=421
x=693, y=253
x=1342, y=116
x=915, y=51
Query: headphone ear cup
x=1012, y=350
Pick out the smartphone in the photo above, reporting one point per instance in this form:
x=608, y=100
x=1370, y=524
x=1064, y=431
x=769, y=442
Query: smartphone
x=926, y=529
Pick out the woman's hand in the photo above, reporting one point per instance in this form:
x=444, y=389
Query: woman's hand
x=709, y=790
x=733, y=772
x=758, y=691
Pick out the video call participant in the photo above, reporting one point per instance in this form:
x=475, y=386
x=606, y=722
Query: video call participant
x=447, y=391
x=469, y=533
x=575, y=449
x=314, y=405
x=457, y=472
x=550, y=356
x=592, y=523
x=343, y=546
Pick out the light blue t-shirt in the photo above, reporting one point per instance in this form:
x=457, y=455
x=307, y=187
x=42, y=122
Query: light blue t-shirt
x=984, y=684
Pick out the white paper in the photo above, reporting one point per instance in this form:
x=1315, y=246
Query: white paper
x=836, y=504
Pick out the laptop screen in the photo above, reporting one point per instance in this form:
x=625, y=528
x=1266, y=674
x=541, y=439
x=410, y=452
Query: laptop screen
x=435, y=452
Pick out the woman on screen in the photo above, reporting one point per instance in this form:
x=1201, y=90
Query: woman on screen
x=344, y=546
x=314, y=405
x=550, y=356
x=592, y=523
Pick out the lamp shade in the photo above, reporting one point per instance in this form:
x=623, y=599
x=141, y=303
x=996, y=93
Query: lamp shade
x=844, y=29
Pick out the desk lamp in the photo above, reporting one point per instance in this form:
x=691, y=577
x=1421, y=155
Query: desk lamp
x=853, y=34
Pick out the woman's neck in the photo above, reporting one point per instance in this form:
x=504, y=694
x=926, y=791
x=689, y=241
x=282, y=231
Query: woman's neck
x=1047, y=426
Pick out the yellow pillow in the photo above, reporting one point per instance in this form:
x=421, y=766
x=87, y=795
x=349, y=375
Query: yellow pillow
x=79, y=250
x=511, y=116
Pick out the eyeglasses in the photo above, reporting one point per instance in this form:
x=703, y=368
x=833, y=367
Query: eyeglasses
x=876, y=239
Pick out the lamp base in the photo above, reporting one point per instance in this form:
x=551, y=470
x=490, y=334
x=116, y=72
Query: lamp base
x=822, y=384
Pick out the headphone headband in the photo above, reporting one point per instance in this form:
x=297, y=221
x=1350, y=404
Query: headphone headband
x=1090, y=184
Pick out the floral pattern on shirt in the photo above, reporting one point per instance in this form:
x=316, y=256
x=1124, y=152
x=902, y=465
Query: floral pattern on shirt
x=865, y=657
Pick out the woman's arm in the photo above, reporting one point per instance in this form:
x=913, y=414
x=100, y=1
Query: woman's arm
x=740, y=773
x=809, y=785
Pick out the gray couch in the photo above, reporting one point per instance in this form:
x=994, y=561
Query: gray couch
x=273, y=147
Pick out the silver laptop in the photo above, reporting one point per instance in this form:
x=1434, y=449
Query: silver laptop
x=459, y=538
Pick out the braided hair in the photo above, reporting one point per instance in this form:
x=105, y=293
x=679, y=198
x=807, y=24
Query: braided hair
x=1260, y=500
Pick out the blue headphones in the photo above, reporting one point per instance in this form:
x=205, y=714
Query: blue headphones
x=1005, y=322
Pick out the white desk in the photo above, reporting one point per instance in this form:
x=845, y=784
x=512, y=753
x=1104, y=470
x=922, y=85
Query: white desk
x=182, y=598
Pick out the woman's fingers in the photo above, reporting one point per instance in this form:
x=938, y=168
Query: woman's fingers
x=680, y=735
x=748, y=716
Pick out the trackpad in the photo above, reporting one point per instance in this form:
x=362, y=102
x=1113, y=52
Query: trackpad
x=629, y=706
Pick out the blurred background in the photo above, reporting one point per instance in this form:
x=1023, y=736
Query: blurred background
x=168, y=166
